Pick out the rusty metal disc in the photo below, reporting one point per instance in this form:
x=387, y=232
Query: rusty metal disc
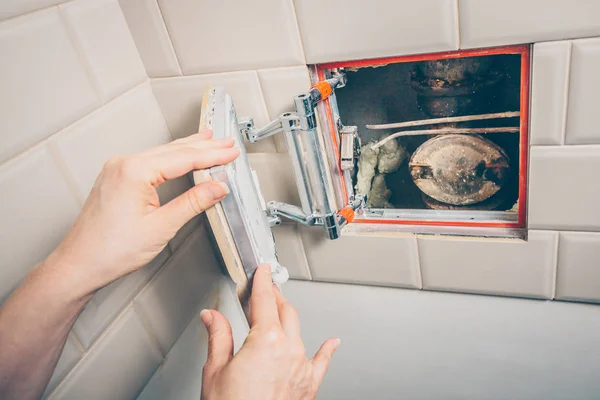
x=459, y=169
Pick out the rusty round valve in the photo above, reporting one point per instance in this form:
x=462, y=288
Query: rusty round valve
x=459, y=169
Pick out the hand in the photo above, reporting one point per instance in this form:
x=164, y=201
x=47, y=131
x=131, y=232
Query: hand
x=122, y=225
x=272, y=363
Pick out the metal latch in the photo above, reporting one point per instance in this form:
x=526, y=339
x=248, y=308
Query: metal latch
x=349, y=147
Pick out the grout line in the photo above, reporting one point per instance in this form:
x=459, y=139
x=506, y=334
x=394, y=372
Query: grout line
x=45, y=8
x=169, y=36
x=66, y=173
x=555, y=266
x=419, y=272
x=77, y=342
x=142, y=316
x=563, y=133
x=85, y=63
x=50, y=137
x=310, y=274
x=299, y=35
x=457, y=11
x=303, y=251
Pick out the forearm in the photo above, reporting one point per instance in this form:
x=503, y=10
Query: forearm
x=34, y=324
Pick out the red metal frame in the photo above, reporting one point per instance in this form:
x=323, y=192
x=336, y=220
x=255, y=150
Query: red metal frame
x=524, y=126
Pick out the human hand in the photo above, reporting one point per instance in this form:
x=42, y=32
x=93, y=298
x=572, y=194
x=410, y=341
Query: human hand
x=122, y=225
x=272, y=363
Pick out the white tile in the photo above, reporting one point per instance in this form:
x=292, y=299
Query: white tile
x=117, y=367
x=563, y=189
x=180, y=377
x=151, y=37
x=275, y=177
x=11, y=8
x=129, y=124
x=279, y=87
x=492, y=23
x=549, y=92
x=372, y=260
x=578, y=275
x=490, y=266
x=167, y=192
x=44, y=85
x=111, y=299
x=110, y=54
x=69, y=357
x=290, y=250
x=582, y=125
x=231, y=36
x=180, y=100
x=421, y=345
x=339, y=30
x=170, y=299
x=185, y=231
x=37, y=208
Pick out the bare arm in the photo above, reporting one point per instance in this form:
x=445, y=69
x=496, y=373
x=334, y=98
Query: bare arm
x=122, y=227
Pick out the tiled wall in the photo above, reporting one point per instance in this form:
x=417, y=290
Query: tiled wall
x=74, y=92
x=258, y=51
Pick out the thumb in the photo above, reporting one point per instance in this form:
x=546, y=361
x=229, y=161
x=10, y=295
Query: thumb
x=191, y=203
x=220, y=340
x=321, y=360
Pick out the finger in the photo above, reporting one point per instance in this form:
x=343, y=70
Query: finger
x=321, y=360
x=263, y=306
x=288, y=317
x=194, y=142
x=205, y=134
x=189, y=204
x=180, y=161
x=220, y=340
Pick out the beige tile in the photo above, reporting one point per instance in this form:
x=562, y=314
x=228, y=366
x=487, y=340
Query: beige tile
x=151, y=37
x=338, y=30
x=185, y=231
x=36, y=209
x=279, y=87
x=490, y=266
x=167, y=192
x=448, y=345
x=180, y=101
x=290, y=250
x=170, y=299
x=232, y=35
x=117, y=367
x=12, y=8
x=129, y=124
x=578, y=275
x=276, y=177
x=563, y=193
x=71, y=354
x=112, y=299
x=497, y=23
x=44, y=85
x=371, y=260
x=110, y=54
x=582, y=125
x=549, y=92
x=180, y=377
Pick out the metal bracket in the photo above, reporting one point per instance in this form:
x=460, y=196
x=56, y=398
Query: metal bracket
x=286, y=122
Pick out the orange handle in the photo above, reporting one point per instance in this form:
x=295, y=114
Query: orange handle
x=324, y=88
x=348, y=213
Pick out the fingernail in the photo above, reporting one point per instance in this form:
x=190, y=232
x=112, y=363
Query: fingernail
x=337, y=343
x=206, y=317
x=220, y=190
